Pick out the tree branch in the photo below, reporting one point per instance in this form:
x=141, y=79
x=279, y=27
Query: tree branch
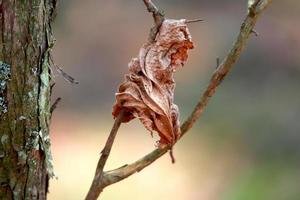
x=225, y=66
x=158, y=17
x=54, y=105
x=96, y=188
x=103, y=179
x=113, y=176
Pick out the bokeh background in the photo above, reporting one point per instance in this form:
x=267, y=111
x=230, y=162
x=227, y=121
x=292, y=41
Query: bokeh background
x=246, y=144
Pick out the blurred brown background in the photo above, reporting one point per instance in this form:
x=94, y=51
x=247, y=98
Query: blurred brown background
x=247, y=143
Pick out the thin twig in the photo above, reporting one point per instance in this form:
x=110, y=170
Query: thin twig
x=65, y=75
x=158, y=17
x=218, y=62
x=51, y=87
x=172, y=155
x=113, y=176
x=103, y=179
x=255, y=32
x=227, y=63
x=157, y=14
x=95, y=190
x=54, y=105
x=193, y=20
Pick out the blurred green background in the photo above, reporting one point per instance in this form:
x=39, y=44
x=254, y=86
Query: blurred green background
x=246, y=145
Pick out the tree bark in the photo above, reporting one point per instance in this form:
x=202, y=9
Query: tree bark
x=25, y=90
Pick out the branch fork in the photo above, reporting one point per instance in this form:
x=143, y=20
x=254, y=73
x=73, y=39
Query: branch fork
x=102, y=178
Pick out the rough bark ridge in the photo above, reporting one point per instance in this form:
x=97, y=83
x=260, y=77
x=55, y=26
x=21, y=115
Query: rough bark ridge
x=25, y=42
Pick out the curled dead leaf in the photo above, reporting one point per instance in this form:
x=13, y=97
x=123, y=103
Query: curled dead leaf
x=148, y=90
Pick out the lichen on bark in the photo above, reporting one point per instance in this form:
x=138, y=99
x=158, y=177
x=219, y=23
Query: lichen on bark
x=25, y=43
x=4, y=77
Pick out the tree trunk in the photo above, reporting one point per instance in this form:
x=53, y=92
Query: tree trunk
x=25, y=42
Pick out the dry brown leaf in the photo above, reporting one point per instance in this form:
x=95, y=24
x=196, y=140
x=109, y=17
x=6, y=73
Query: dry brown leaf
x=148, y=90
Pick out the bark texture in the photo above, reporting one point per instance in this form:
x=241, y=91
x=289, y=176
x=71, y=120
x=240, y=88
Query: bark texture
x=25, y=44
